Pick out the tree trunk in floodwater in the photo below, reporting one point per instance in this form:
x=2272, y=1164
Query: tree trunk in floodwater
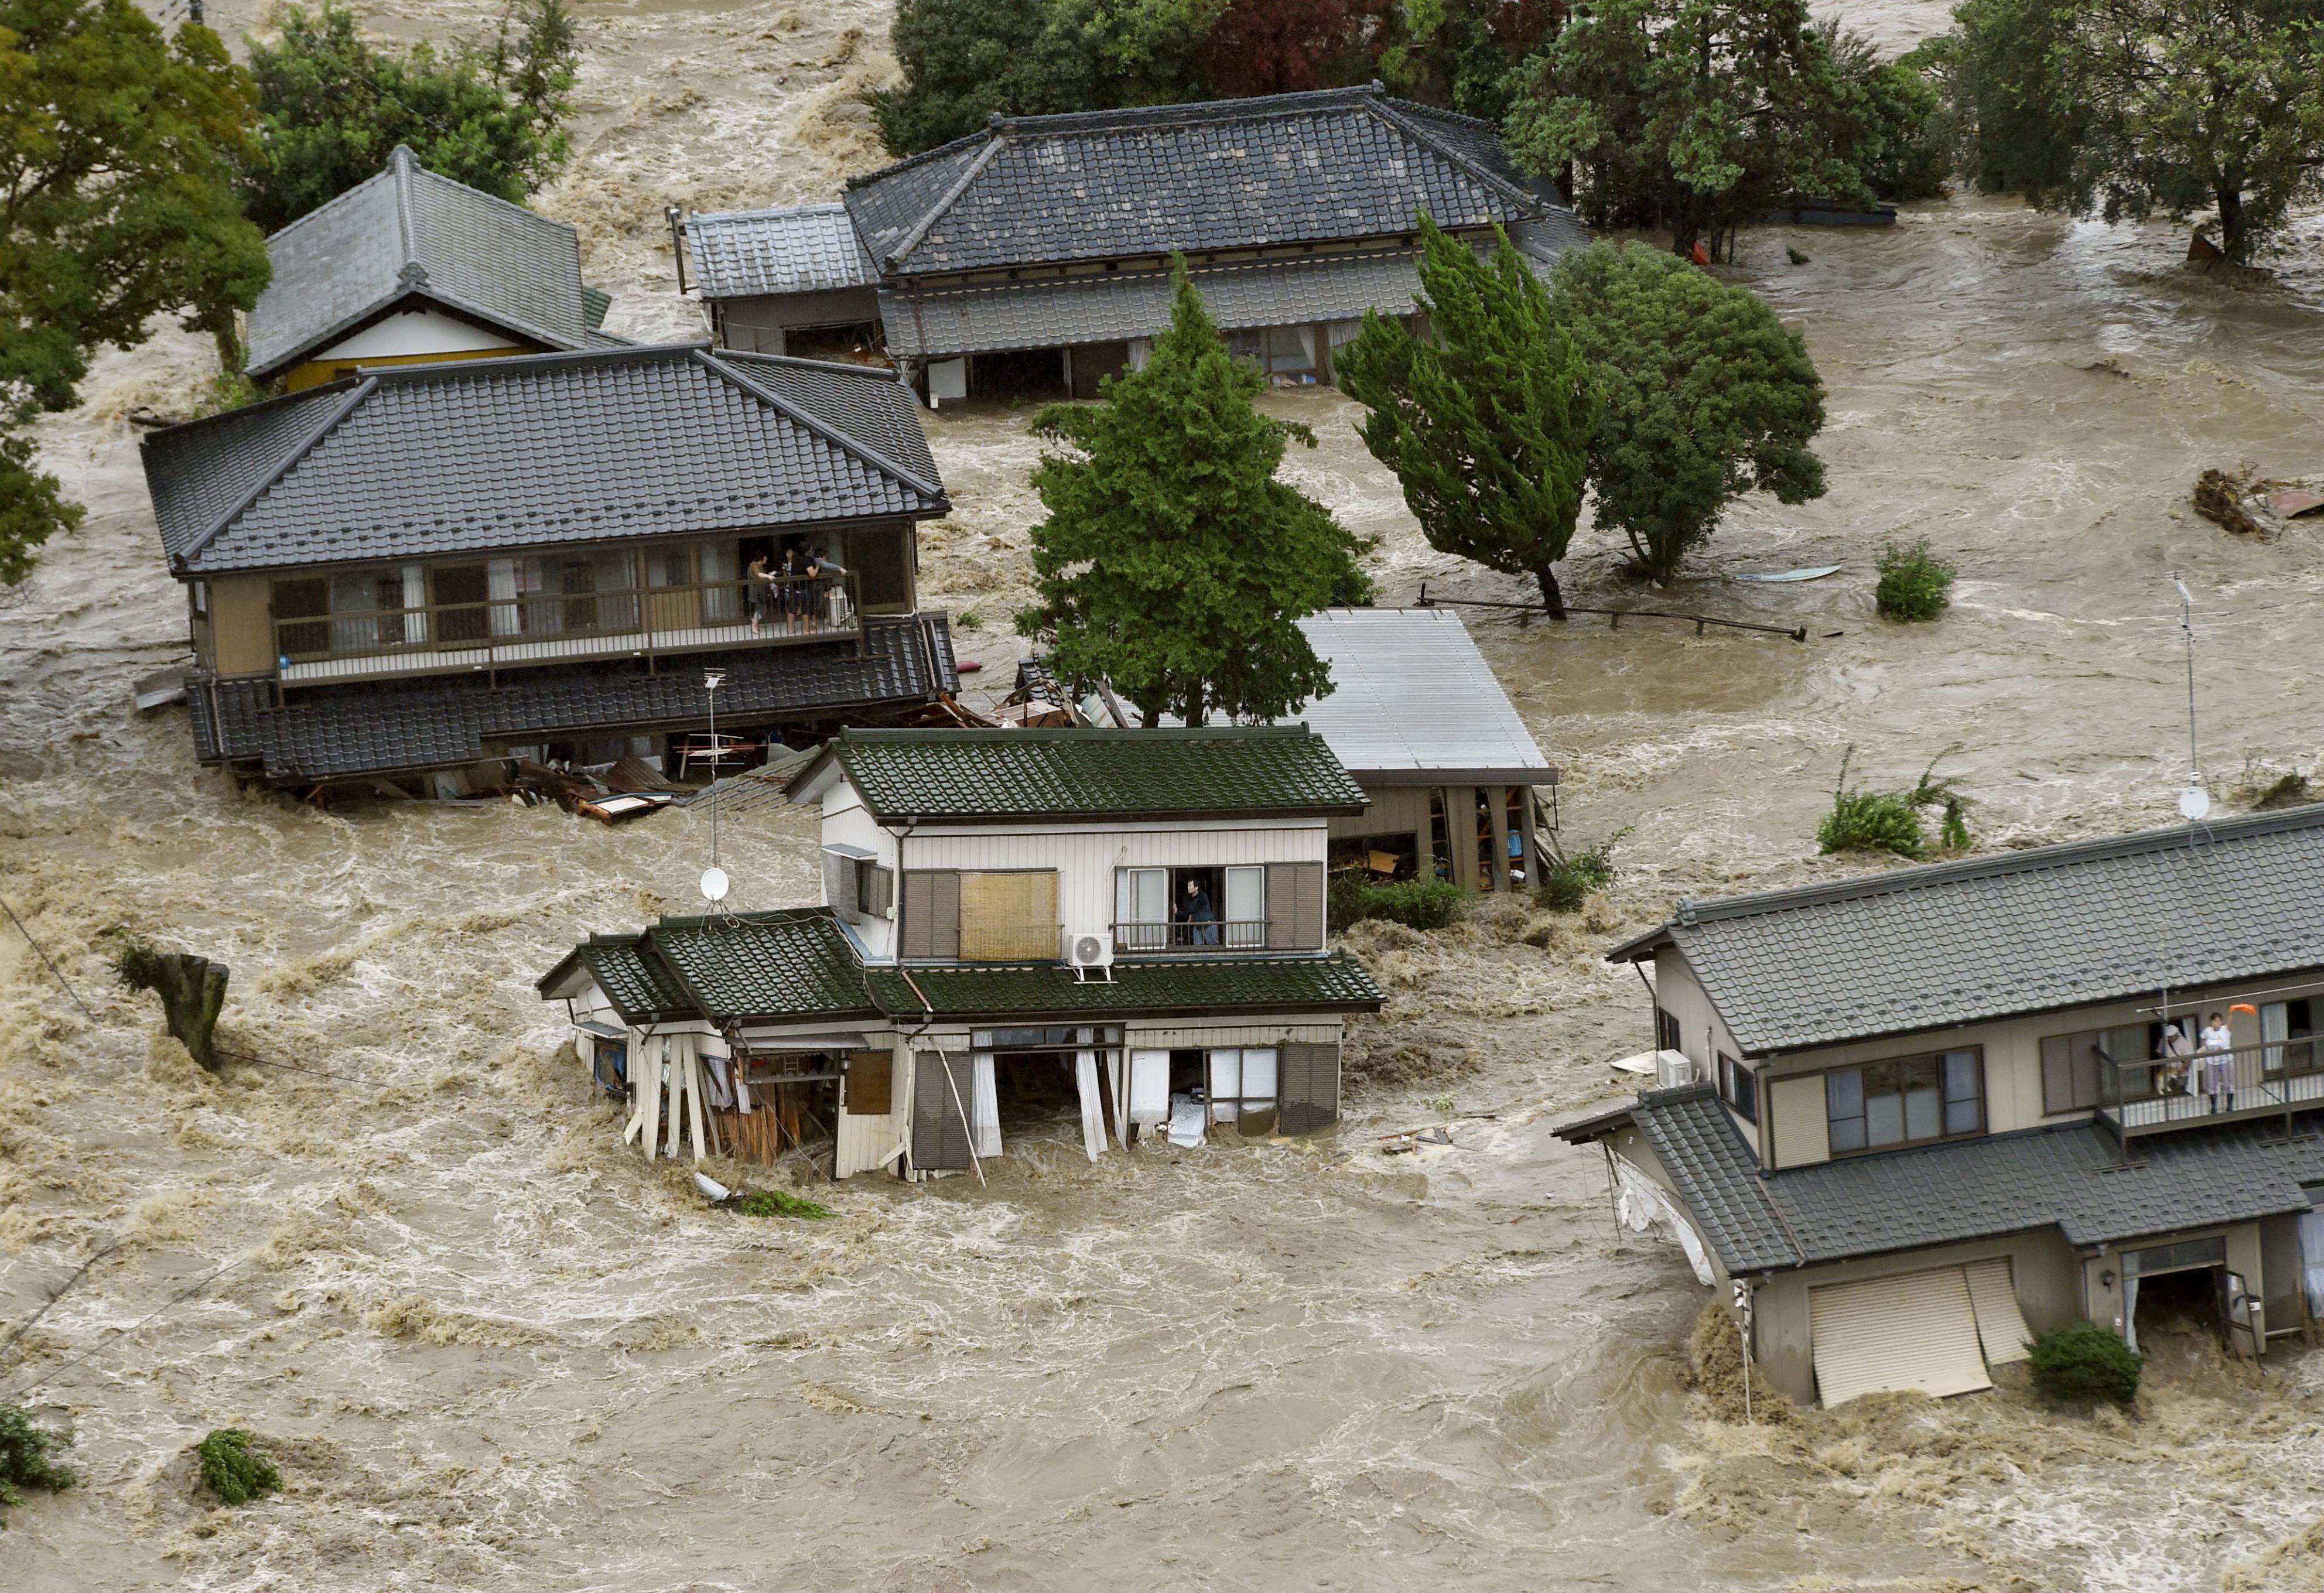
x=192, y=990
x=2232, y=241
x=1551, y=598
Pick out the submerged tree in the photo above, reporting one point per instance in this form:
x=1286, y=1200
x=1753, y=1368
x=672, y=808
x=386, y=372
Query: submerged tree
x=1705, y=396
x=1488, y=423
x=115, y=168
x=1172, y=561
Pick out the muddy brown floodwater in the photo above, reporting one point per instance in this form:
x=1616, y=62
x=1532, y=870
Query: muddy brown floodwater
x=492, y=1352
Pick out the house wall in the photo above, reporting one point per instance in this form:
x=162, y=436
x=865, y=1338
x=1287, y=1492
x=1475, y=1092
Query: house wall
x=2102, y=1272
x=1396, y=810
x=756, y=325
x=1702, y=1032
x=846, y=822
x=242, y=628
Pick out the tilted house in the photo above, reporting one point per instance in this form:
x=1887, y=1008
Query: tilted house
x=1419, y=719
x=419, y=568
x=408, y=268
x=1006, y=927
x=1036, y=251
x=1932, y=1109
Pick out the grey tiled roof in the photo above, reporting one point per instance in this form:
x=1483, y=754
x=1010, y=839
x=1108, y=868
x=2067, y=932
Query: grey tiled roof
x=408, y=232
x=640, y=985
x=933, y=774
x=2025, y=932
x=795, y=249
x=1227, y=174
x=2068, y=1177
x=442, y=722
x=795, y=964
x=1335, y=982
x=486, y=455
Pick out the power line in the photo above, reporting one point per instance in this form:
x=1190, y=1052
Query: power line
x=52, y=968
x=198, y=1285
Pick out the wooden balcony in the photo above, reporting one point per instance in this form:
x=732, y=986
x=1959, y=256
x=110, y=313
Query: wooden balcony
x=534, y=629
x=2275, y=1079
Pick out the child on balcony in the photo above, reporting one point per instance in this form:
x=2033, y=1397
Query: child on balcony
x=2217, y=1057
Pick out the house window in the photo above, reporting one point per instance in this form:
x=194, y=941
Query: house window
x=1240, y=1085
x=1738, y=1086
x=1190, y=909
x=300, y=627
x=2070, y=1066
x=875, y=887
x=1909, y=1100
x=2289, y=1029
x=1666, y=1036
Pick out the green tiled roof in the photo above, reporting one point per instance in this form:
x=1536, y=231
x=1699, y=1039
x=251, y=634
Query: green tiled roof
x=1338, y=981
x=967, y=773
x=790, y=964
x=635, y=980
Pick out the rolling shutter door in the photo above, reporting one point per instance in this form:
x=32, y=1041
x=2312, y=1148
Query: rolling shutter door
x=1310, y=1085
x=2000, y=1325
x=931, y=925
x=1916, y=1332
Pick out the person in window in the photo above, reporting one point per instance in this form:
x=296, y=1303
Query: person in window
x=2171, y=1051
x=1200, y=917
x=2217, y=1057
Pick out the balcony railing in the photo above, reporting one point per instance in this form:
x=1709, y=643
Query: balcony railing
x=2275, y=1078
x=537, y=628
x=1232, y=935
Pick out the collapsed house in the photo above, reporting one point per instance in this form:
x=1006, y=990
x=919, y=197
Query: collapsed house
x=411, y=268
x=418, y=573
x=1016, y=924
x=1920, y=1115
x=1033, y=256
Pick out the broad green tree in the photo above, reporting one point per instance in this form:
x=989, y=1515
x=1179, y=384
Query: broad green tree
x=114, y=149
x=2122, y=108
x=1172, y=561
x=333, y=106
x=1705, y=396
x=1691, y=115
x=1486, y=424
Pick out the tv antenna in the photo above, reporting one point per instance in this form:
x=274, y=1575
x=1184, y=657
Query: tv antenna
x=2194, y=802
x=714, y=883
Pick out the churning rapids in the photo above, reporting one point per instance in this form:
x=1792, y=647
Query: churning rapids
x=494, y=1352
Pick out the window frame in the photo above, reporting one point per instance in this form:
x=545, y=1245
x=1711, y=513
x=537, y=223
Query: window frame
x=1742, y=1097
x=1944, y=1101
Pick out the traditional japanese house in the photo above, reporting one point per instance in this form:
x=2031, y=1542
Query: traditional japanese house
x=1034, y=255
x=1919, y=1116
x=1015, y=923
x=410, y=268
x=417, y=570
x=1417, y=718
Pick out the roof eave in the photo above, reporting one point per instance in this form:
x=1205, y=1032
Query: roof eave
x=1108, y=816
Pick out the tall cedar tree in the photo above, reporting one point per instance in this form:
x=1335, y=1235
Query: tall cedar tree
x=2132, y=107
x=333, y=106
x=115, y=144
x=1706, y=396
x=1172, y=560
x=1488, y=425
x=966, y=60
x=1691, y=115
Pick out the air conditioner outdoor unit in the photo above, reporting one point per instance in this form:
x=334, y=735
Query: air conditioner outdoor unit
x=1672, y=1069
x=1092, y=956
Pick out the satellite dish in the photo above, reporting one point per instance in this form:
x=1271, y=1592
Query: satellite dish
x=2194, y=802
x=714, y=885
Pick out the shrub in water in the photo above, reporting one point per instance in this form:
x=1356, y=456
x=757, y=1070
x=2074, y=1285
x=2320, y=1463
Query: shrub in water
x=2085, y=1362
x=1417, y=904
x=1872, y=821
x=1914, y=582
x=232, y=1472
x=1568, y=882
x=24, y=1457
x=775, y=1202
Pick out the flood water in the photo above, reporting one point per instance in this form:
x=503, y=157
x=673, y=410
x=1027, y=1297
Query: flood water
x=493, y=1351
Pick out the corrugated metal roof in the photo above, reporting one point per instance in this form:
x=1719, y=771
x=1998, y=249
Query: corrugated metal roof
x=793, y=249
x=2031, y=930
x=1411, y=693
x=408, y=231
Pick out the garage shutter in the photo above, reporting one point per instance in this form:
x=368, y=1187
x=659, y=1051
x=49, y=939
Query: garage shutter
x=1914, y=1332
x=2000, y=1325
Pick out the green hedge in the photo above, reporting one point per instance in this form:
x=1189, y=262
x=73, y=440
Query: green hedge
x=2085, y=1362
x=1417, y=904
x=232, y=1471
x=24, y=1457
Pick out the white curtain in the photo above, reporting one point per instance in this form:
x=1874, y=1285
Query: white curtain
x=2130, y=1312
x=1343, y=333
x=719, y=603
x=1149, y=1087
x=1117, y=1079
x=1093, y=1112
x=1642, y=1207
x=985, y=1106
x=1226, y=1080
x=2311, y=1260
x=1141, y=350
x=415, y=598
x=501, y=577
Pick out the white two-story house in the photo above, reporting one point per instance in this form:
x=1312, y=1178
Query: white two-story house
x=1923, y=1115
x=1016, y=924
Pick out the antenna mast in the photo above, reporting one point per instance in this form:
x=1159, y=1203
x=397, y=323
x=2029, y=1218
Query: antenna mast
x=2194, y=802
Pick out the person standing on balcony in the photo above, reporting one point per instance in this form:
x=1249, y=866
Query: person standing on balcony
x=2218, y=1060
x=791, y=591
x=759, y=593
x=2173, y=1051
x=1200, y=917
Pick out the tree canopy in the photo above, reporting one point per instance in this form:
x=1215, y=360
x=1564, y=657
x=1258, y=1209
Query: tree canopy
x=1172, y=561
x=1706, y=396
x=2122, y=108
x=115, y=144
x=333, y=106
x=1486, y=424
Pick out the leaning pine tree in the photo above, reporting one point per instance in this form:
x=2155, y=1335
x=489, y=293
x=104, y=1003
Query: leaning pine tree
x=1488, y=427
x=1172, y=561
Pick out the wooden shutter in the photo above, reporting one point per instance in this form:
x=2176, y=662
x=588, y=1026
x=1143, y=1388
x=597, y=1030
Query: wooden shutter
x=1294, y=907
x=1309, y=1079
x=1917, y=1331
x=839, y=884
x=939, y=1132
x=877, y=895
x=871, y=1083
x=2070, y=1072
x=931, y=926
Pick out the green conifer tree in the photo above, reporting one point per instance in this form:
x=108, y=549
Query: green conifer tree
x=1488, y=424
x=1172, y=561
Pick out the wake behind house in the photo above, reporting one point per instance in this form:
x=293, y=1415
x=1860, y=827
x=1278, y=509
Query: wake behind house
x=1033, y=256
x=1017, y=923
x=1920, y=1115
